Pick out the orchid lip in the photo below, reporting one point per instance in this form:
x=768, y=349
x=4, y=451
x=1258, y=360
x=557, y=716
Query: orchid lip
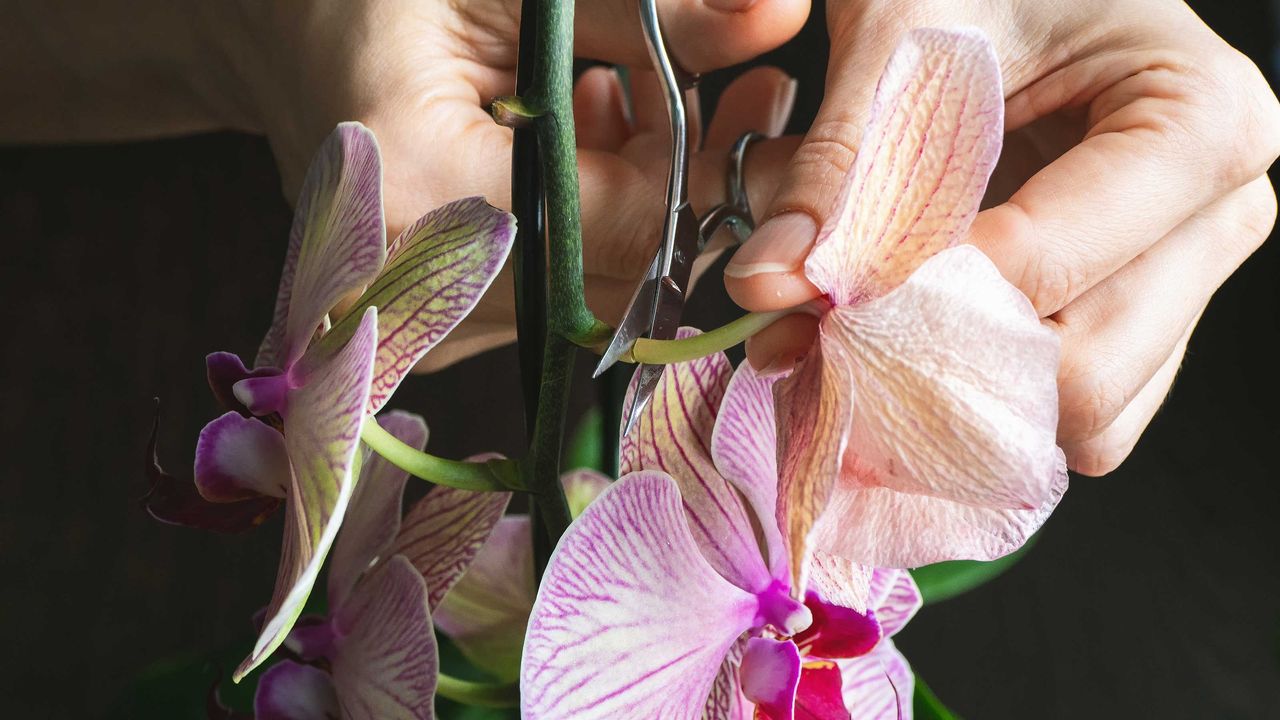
x=778, y=609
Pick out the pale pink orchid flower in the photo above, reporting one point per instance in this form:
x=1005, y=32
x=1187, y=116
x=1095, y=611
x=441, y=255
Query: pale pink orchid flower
x=374, y=656
x=921, y=425
x=670, y=597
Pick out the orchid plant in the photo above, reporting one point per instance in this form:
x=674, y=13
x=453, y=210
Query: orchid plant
x=752, y=560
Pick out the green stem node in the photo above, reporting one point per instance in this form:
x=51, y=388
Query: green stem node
x=493, y=475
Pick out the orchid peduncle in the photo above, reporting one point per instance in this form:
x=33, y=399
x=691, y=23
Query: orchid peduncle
x=499, y=475
x=663, y=352
x=467, y=692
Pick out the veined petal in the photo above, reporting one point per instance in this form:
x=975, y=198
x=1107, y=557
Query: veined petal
x=631, y=620
x=955, y=387
x=935, y=130
x=337, y=244
x=769, y=675
x=373, y=519
x=895, y=599
x=839, y=580
x=814, y=405
x=292, y=691
x=820, y=694
x=581, y=487
x=436, y=271
x=673, y=435
x=443, y=532
x=386, y=666
x=887, y=528
x=878, y=685
x=726, y=701
x=487, y=611
x=239, y=458
x=321, y=433
x=744, y=446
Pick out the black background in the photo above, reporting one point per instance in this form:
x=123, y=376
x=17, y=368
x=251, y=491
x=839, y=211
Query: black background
x=1154, y=592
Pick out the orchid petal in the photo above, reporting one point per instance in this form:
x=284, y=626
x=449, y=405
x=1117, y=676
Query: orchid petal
x=581, y=487
x=321, y=433
x=673, y=435
x=239, y=458
x=840, y=581
x=744, y=446
x=373, y=519
x=386, y=666
x=769, y=675
x=292, y=691
x=820, y=694
x=631, y=620
x=487, y=611
x=837, y=631
x=878, y=685
x=895, y=599
x=443, y=532
x=935, y=130
x=726, y=701
x=888, y=528
x=814, y=404
x=224, y=370
x=955, y=387
x=436, y=271
x=337, y=243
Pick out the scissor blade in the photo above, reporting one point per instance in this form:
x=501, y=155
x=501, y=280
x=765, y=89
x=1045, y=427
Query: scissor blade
x=637, y=322
x=647, y=377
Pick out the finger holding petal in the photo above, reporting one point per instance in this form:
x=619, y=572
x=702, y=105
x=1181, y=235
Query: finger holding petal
x=935, y=131
x=631, y=620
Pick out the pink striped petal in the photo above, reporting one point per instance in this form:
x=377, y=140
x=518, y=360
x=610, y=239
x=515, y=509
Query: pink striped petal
x=934, y=134
x=888, y=528
x=373, y=519
x=814, y=404
x=820, y=694
x=436, y=271
x=673, y=435
x=291, y=691
x=487, y=611
x=337, y=244
x=895, y=599
x=769, y=675
x=386, y=666
x=744, y=446
x=321, y=433
x=879, y=685
x=726, y=701
x=443, y=531
x=581, y=487
x=631, y=620
x=956, y=390
x=839, y=580
x=238, y=458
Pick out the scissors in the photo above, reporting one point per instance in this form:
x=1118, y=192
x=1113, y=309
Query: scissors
x=656, y=306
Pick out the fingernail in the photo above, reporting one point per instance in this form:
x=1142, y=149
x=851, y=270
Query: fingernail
x=779, y=245
x=729, y=5
x=783, y=103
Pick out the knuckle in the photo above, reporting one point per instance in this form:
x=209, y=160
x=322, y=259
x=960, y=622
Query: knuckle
x=1051, y=282
x=1258, y=213
x=1090, y=401
x=1240, y=97
x=1097, y=457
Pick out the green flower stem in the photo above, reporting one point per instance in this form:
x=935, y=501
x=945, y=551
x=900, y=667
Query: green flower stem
x=661, y=352
x=492, y=475
x=541, y=468
x=506, y=695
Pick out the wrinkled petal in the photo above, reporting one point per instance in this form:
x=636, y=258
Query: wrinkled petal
x=888, y=528
x=292, y=691
x=581, y=487
x=373, y=518
x=769, y=675
x=879, y=685
x=224, y=370
x=726, y=701
x=321, y=433
x=840, y=581
x=487, y=611
x=820, y=694
x=631, y=620
x=436, y=271
x=813, y=405
x=955, y=387
x=386, y=666
x=239, y=458
x=337, y=243
x=932, y=140
x=443, y=532
x=673, y=435
x=894, y=598
x=744, y=446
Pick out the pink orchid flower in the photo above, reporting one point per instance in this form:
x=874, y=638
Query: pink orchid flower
x=670, y=596
x=921, y=426
x=295, y=420
x=374, y=656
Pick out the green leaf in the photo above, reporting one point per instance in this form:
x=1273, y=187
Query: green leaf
x=585, y=448
x=927, y=706
x=945, y=580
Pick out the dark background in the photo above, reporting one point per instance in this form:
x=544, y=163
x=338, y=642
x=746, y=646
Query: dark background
x=1154, y=592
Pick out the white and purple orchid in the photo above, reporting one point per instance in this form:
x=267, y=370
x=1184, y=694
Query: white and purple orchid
x=295, y=420
x=671, y=595
x=373, y=657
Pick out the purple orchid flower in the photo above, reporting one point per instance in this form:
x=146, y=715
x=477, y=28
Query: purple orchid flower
x=671, y=595
x=374, y=656
x=296, y=418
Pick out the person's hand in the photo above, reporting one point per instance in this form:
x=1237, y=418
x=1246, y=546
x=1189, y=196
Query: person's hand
x=1132, y=184
x=421, y=72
